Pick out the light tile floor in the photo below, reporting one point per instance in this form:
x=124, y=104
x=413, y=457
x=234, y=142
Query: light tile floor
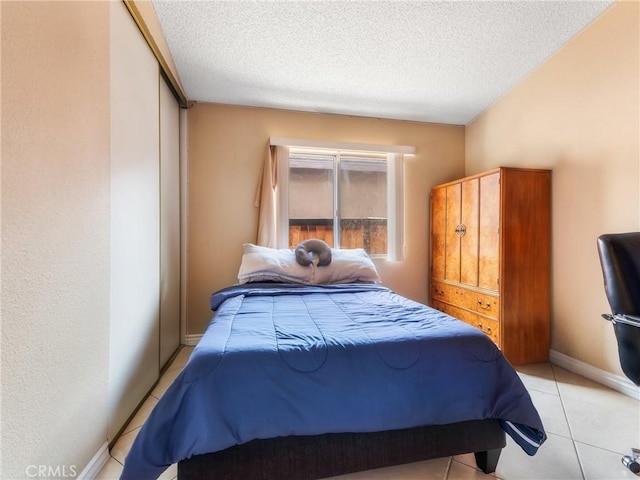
x=589, y=428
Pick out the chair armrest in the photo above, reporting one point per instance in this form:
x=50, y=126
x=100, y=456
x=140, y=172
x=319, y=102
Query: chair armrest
x=633, y=320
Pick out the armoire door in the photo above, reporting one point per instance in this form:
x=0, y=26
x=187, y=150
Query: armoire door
x=452, y=239
x=468, y=232
x=461, y=227
x=438, y=230
x=489, y=232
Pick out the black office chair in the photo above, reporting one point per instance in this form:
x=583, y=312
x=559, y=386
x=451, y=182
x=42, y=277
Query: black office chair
x=620, y=261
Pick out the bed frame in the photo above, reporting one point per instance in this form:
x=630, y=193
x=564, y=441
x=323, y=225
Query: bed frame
x=322, y=456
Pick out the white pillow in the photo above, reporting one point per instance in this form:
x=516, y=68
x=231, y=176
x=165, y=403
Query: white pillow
x=347, y=266
x=261, y=264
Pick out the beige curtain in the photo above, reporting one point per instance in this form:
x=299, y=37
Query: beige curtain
x=266, y=200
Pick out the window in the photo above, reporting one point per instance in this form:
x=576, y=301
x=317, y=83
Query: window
x=349, y=198
x=339, y=199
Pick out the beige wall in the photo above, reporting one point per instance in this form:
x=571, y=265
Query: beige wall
x=55, y=234
x=226, y=148
x=578, y=115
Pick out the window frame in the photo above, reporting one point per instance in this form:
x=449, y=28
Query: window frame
x=395, y=155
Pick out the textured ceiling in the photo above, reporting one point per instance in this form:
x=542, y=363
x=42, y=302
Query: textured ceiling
x=430, y=61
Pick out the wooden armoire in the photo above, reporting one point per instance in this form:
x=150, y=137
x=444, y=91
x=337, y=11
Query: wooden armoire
x=490, y=257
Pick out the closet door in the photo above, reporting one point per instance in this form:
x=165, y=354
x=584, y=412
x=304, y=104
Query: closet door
x=169, y=224
x=135, y=214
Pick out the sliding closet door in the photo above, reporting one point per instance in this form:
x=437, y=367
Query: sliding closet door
x=135, y=218
x=169, y=224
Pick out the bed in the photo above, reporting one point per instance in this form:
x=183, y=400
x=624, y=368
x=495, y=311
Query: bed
x=305, y=381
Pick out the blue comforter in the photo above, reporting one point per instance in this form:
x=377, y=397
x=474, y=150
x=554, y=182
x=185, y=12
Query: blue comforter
x=279, y=360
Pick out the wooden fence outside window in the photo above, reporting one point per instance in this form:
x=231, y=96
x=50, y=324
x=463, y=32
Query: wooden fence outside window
x=367, y=233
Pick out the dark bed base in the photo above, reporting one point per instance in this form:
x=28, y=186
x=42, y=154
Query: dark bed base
x=321, y=456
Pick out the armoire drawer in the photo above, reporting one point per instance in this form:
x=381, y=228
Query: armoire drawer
x=490, y=327
x=457, y=312
x=438, y=305
x=483, y=303
x=487, y=325
x=443, y=292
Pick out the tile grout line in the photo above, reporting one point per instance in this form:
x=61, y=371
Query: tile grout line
x=564, y=411
x=448, y=469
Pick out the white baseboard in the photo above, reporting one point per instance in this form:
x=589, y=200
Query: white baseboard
x=96, y=464
x=615, y=382
x=192, y=340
